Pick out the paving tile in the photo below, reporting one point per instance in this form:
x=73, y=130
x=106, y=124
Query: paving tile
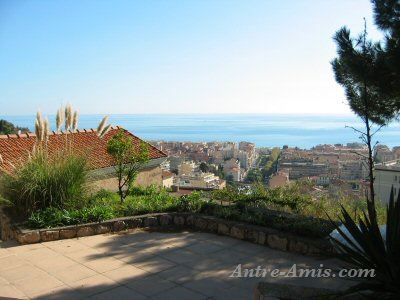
x=204, y=248
x=59, y=293
x=21, y=272
x=249, y=248
x=155, y=264
x=83, y=256
x=119, y=293
x=31, y=286
x=178, y=274
x=151, y=285
x=93, y=285
x=207, y=286
x=179, y=293
x=54, y=264
x=11, y=261
x=104, y=264
x=73, y=273
x=10, y=292
x=125, y=274
x=38, y=255
x=180, y=256
x=66, y=246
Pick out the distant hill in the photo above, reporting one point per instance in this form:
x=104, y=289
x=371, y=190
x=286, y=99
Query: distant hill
x=9, y=128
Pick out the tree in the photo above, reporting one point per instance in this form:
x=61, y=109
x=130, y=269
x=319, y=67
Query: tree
x=254, y=175
x=204, y=167
x=129, y=160
x=371, y=85
x=9, y=128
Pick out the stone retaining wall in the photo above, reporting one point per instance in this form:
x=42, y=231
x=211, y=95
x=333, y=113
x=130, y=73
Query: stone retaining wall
x=256, y=234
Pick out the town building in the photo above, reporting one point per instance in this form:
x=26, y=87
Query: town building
x=386, y=177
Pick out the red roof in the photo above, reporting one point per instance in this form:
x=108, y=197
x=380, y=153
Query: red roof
x=14, y=149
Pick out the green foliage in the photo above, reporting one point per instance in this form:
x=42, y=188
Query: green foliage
x=41, y=182
x=9, y=128
x=366, y=248
x=254, y=175
x=204, y=167
x=129, y=160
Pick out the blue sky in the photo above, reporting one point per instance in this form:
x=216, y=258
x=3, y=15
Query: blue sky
x=165, y=56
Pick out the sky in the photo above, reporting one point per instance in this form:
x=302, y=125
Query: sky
x=166, y=56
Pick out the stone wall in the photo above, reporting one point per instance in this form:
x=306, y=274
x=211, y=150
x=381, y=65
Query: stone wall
x=255, y=234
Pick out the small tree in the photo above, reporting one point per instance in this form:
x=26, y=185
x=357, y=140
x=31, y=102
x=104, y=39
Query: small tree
x=129, y=160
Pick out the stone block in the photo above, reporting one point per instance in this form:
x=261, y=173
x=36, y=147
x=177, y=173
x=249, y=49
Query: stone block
x=277, y=242
x=212, y=225
x=252, y=235
x=30, y=237
x=165, y=220
x=237, y=232
x=298, y=247
x=190, y=220
x=179, y=220
x=223, y=229
x=150, y=222
x=119, y=225
x=134, y=223
x=262, y=238
x=85, y=231
x=101, y=228
x=200, y=223
x=49, y=235
x=67, y=233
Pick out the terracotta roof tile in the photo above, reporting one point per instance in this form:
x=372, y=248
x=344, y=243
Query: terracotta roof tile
x=15, y=149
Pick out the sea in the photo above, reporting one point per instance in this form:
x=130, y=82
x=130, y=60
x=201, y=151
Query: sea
x=265, y=130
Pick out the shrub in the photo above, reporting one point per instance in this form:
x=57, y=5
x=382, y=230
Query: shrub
x=41, y=182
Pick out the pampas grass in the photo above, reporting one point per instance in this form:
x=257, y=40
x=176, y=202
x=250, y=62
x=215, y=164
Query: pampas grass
x=68, y=117
x=59, y=118
x=75, y=121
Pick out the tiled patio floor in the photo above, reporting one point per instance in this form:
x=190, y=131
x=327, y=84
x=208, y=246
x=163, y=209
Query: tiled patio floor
x=143, y=265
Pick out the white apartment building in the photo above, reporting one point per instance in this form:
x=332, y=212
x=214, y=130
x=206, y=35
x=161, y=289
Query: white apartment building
x=387, y=176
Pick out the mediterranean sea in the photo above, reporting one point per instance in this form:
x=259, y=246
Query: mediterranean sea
x=265, y=130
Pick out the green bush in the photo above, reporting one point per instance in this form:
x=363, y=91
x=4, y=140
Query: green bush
x=41, y=182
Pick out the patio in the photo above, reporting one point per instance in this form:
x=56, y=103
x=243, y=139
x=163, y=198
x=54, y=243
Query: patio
x=145, y=265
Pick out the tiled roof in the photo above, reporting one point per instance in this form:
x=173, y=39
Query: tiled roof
x=14, y=149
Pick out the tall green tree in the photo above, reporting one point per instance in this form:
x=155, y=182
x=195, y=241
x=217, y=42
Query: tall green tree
x=128, y=160
x=369, y=73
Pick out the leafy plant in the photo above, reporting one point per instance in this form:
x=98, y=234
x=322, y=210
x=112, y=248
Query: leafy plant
x=44, y=182
x=367, y=249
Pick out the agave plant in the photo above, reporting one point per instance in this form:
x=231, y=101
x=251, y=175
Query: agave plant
x=366, y=248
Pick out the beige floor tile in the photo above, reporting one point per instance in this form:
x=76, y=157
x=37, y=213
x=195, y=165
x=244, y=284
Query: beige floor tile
x=67, y=246
x=10, y=292
x=126, y=274
x=104, y=264
x=151, y=285
x=62, y=292
x=21, y=272
x=179, y=293
x=204, y=248
x=83, y=256
x=155, y=264
x=54, y=264
x=179, y=274
x=11, y=261
x=38, y=255
x=93, y=285
x=34, y=285
x=119, y=293
x=73, y=273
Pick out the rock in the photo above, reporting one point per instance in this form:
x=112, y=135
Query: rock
x=201, y=223
x=165, y=220
x=119, y=225
x=67, y=233
x=179, y=220
x=277, y=242
x=134, y=223
x=252, y=235
x=223, y=229
x=100, y=229
x=190, y=220
x=30, y=237
x=212, y=226
x=299, y=247
x=49, y=235
x=237, y=232
x=150, y=222
x=85, y=231
x=262, y=238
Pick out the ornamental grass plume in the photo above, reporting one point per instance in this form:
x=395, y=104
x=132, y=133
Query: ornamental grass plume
x=75, y=121
x=104, y=131
x=59, y=118
x=46, y=129
x=102, y=126
x=68, y=117
x=1, y=159
x=39, y=127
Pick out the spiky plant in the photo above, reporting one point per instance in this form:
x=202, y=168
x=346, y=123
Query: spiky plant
x=68, y=117
x=366, y=248
x=103, y=127
x=46, y=129
x=75, y=121
x=59, y=118
x=39, y=127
